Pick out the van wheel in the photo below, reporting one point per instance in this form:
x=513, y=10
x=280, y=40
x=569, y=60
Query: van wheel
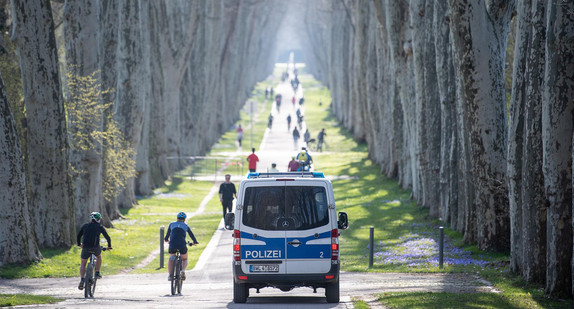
x=332, y=292
x=240, y=293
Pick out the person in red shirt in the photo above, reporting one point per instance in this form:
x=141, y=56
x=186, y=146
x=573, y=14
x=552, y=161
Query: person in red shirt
x=293, y=165
x=252, y=159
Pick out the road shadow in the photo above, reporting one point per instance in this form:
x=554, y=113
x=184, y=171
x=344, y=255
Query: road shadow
x=287, y=301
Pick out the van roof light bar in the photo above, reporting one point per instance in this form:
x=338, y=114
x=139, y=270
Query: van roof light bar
x=286, y=175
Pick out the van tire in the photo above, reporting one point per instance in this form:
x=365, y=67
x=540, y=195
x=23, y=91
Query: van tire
x=240, y=293
x=332, y=292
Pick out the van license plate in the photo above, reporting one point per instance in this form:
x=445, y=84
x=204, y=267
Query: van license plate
x=263, y=268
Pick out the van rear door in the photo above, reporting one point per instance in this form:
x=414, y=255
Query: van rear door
x=262, y=240
x=308, y=223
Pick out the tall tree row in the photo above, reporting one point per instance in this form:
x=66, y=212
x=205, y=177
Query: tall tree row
x=169, y=76
x=427, y=92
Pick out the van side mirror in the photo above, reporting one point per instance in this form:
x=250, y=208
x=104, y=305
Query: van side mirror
x=229, y=221
x=343, y=222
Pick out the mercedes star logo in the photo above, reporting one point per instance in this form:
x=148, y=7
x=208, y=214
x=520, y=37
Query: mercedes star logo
x=285, y=223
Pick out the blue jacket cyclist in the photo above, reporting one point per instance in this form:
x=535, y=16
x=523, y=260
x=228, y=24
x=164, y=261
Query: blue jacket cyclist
x=91, y=243
x=176, y=237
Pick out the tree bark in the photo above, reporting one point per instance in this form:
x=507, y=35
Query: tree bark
x=448, y=175
x=427, y=106
x=49, y=184
x=557, y=128
x=81, y=31
x=525, y=177
x=133, y=77
x=479, y=46
x=18, y=243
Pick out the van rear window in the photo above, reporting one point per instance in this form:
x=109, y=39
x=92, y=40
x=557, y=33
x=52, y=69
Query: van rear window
x=285, y=207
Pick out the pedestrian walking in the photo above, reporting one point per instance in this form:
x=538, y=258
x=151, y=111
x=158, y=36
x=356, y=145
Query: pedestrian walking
x=270, y=121
x=288, y=122
x=321, y=139
x=227, y=193
x=239, y=135
x=306, y=136
x=252, y=159
x=296, y=136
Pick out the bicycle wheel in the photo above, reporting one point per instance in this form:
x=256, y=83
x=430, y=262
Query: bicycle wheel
x=94, y=280
x=179, y=281
x=88, y=278
x=173, y=278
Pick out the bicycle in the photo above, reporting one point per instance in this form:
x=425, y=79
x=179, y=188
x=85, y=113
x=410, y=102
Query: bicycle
x=90, y=275
x=175, y=275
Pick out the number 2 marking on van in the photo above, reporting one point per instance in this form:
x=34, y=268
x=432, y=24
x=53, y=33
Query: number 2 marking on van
x=321, y=254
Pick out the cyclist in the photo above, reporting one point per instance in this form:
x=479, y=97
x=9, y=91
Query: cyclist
x=177, y=230
x=91, y=242
x=304, y=159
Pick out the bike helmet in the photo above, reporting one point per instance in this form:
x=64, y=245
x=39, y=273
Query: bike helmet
x=96, y=216
x=181, y=215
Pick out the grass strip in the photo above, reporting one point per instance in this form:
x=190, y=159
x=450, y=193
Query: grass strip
x=8, y=300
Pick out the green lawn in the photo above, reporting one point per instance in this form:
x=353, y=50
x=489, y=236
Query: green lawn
x=7, y=300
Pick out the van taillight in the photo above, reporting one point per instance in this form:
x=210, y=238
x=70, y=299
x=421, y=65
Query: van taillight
x=334, y=245
x=236, y=245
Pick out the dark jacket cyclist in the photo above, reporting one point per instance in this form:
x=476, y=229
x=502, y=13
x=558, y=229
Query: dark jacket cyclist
x=91, y=243
x=176, y=233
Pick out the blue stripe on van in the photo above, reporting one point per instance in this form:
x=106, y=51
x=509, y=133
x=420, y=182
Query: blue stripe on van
x=274, y=248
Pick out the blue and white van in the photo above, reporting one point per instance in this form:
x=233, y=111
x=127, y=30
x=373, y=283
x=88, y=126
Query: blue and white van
x=286, y=234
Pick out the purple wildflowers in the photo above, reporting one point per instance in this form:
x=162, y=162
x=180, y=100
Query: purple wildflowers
x=421, y=249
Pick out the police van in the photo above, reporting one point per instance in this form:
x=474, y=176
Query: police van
x=286, y=234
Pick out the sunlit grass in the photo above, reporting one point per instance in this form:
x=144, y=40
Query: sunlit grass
x=7, y=300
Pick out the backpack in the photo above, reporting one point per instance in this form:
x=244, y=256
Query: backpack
x=303, y=156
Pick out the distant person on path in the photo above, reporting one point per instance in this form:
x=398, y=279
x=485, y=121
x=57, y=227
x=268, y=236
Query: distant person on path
x=321, y=139
x=239, y=135
x=293, y=101
x=271, y=92
x=227, y=193
x=266, y=93
x=252, y=159
x=278, y=102
x=273, y=168
x=288, y=122
x=270, y=122
x=296, y=136
x=306, y=136
x=176, y=236
x=91, y=242
x=293, y=165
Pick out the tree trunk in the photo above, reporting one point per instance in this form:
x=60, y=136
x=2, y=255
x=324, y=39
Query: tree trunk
x=526, y=183
x=401, y=65
x=49, y=183
x=18, y=243
x=480, y=46
x=427, y=107
x=109, y=73
x=133, y=79
x=81, y=32
x=448, y=198
x=557, y=128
